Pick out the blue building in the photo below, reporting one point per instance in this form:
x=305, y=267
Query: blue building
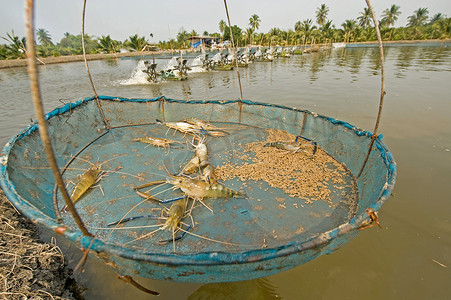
x=197, y=41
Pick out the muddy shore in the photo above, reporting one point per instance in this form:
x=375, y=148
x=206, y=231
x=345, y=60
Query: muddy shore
x=30, y=269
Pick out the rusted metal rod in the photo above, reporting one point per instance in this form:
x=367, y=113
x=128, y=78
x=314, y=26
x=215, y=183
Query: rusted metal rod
x=381, y=102
x=39, y=108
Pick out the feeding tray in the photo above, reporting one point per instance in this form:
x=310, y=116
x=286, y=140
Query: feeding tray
x=298, y=205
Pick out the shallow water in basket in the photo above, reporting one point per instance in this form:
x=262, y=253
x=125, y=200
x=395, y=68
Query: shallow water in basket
x=267, y=217
x=398, y=261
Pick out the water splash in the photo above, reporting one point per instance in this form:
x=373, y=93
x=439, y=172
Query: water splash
x=138, y=76
x=197, y=69
x=197, y=62
x=196, y=65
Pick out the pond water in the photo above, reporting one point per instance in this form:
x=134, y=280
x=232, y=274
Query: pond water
x=410, y=257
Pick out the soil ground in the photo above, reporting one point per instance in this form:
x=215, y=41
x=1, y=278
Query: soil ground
x=30, y=269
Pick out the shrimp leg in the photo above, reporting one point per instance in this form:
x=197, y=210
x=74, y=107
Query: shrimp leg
x=164, y=242
x=314, y=143
x=132, y=218
x=148, y=196
x=150, y=184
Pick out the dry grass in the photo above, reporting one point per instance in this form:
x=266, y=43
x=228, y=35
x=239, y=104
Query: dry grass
x=29, y=269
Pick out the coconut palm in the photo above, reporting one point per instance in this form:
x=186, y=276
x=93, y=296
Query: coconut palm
x=254, y=22
x=107, y=44
x=327, y=30
x=321, y=14
x=444, y=27
x=274, y=34
x=365, y=18
x=437, y=17
x=288, y=36
x=137, y=43
x=44, y=37
x=368, y=34
x=16, y=47
x=261, y=38
x=183, y=35
x=3, y=52
x=222, y=26
x=419, y=17
x=306, y=27
x=248, y=34
x=390, y=16
x=349, y=26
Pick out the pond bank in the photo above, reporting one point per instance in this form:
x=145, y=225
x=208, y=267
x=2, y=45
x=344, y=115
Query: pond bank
x=73, y=58
x=29, y=268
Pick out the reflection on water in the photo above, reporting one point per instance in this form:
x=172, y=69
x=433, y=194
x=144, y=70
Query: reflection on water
x=404, y=60
x=342, y=83
x=251, y=290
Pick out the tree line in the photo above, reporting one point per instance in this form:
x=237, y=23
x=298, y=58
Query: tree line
x=309, y=31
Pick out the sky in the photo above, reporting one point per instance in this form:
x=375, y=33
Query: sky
x=164, y=18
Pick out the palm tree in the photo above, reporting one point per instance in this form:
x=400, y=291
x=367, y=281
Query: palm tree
x=306, y=27
x=16, y=47
x=137, y=43
x=261, y=38
x=444, y=26
x=254, y=23
x=44, y=37
x=437, y=17
x=349, y=26
x=321, y=14
x=327, y=30
x=390, y=16
x=368, y=34
x=365, y=18
x=418, y=18
x=274, y=34
x=183, y=35
x=222, y=26
x=249, y=33
x=107, y=44
x=3, y=52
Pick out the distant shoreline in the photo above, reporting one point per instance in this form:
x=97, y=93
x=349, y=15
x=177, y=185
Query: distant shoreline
x=74, y=58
